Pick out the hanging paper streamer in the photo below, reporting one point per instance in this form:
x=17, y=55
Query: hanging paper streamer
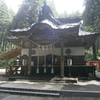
x=43, y=48
x=21, y=42
x=46, y=47
x=50, y=46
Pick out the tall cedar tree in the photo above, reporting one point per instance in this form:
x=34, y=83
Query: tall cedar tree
x=27, y=13
x=91, y=15
x=4, y=22
x=91, y=19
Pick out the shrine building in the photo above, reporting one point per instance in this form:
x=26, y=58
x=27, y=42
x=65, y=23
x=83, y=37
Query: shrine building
x=52, y=46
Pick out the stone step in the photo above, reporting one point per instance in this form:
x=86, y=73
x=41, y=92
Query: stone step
x=14, y=78
x=29, y=93
x=64, y=80
x=56, y=93
x=28, y=89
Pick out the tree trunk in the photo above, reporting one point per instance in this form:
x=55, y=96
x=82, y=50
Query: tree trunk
x=94, y=52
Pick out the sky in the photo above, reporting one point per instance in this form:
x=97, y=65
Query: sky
x=61, y=5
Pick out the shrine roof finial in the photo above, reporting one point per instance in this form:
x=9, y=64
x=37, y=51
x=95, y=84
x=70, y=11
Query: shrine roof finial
x=45, y=3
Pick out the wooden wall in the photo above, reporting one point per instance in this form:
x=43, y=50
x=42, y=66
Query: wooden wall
x=76, y=60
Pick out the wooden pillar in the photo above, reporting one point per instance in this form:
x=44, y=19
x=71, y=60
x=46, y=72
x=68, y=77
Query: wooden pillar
x=6, y=67
x=29, y=58
x=45, y=62
x=62, y=58
x=37, y=71
x=52, y=69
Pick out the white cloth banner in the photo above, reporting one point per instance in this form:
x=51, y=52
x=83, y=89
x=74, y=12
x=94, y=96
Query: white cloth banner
x=75, y=51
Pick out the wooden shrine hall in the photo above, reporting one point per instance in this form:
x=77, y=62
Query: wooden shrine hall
x=53, y=47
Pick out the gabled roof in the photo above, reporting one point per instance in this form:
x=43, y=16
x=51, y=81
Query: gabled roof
x=46, y=20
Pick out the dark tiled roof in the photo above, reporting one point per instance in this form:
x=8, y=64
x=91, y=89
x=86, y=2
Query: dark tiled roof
x=47, y=22
x=85, y=33
x=11, y=37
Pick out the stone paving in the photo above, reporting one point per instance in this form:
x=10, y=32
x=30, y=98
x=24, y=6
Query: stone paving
x=81, y=85
x=26, y=84
x=21, y=97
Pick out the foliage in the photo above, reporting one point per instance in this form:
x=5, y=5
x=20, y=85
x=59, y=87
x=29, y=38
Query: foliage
x=6, y=16
x=27, y=13
x=98, y=55
x=89, y=55
x=91, y=15
x=53, y=8
x=5, y=19
x=91, y=19
x=72, y=14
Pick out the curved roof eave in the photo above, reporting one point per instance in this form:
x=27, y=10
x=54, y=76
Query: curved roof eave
x=83, y=33
x=46, y=24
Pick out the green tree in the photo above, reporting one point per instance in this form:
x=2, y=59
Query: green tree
x=53, y=8
x=6, y=16
x=4, y=22
x=89, y=55
x=91, y=15
x=27, y=13
x=91, y=18
x=72, y=14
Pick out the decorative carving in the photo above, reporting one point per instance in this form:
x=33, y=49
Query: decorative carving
x=33, y=52
x=68, y=51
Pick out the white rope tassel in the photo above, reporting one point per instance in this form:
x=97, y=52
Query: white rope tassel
x=37, y=71
x=44, y=69
x=52, y=70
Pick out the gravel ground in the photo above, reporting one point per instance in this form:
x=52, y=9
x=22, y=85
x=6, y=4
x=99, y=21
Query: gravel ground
x=92, y=85
x=81, y=85
x=81, y=88
x=21, y=97
x=4, y=95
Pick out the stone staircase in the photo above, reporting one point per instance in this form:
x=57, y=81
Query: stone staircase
x=33, y=92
